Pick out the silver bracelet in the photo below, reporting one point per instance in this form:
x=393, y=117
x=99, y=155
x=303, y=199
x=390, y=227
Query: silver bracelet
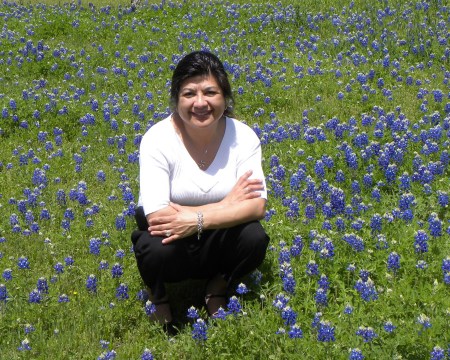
x=199, y=224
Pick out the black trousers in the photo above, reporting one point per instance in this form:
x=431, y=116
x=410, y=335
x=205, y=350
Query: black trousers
x=231, y=252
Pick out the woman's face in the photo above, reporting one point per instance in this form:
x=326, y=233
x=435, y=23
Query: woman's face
x=200, y=102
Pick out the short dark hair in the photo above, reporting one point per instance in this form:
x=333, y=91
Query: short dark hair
x=201, y=63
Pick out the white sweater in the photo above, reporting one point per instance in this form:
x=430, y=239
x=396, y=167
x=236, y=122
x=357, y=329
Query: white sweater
x=168, y=172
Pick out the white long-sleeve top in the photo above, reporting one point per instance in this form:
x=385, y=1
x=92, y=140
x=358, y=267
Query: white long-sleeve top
x=168, y=172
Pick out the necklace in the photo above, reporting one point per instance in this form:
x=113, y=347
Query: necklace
x=202, y=163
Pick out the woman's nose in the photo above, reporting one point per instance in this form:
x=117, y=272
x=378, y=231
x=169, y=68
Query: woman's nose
x=200, y=101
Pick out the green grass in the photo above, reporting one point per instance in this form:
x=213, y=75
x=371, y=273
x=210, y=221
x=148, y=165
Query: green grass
x=62, y=88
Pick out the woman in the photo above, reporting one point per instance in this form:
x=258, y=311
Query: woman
x=202, y=190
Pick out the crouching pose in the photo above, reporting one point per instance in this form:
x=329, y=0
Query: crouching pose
x=202, y=190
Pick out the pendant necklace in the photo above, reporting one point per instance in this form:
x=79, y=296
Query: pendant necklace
x=202, y=163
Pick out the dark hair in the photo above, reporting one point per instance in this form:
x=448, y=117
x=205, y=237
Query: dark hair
x=201, y=63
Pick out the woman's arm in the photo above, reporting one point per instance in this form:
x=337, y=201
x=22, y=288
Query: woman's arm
x=242, y=204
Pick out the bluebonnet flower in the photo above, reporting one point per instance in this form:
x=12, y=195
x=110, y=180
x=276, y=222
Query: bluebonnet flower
x=393, y=262
x=59, y=268
x=389, y=327
x=367, y=333
x=234, y=306
x=340, y=176
x=122, y=292
x=94, y=246
x=242, y=289
x=356, y=354
x=284, y=255
x=323, y=282
x=91, y=283
x=424, y=320
x=312, y=268
x=103, y=265
x=446, y=270
x=443, y=198
x=288, y=315
x=107, y=355
x=376, y=195
x=68, y=260
x=434, y=225
x=437, y=353
x=321, y=297
x=120, y=222
x=24, y=345
x=192, y=313
x=355, y=241
x=42, y=285
x=337, y=200
x=325, y=331
x=348, y=309
x=116, y=270
x=367, y=290
x=35, y=297
x=376, y=223
x=149, y=308
x=220, y=314
x=295, y=332
x=120, y=254
x=7, y=274
x=29, y=328
x=63, y=298
x=199, y=330
x=23, y=263
x=280, y=301
x=421, y=241
x=3, y=293
x=147, y=355
x=310, y=211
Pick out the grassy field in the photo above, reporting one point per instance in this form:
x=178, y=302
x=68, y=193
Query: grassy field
x=351, y=101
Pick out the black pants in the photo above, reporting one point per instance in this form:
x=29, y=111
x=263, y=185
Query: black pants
x=232, y=252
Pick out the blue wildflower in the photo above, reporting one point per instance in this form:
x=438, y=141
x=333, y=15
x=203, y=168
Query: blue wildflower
x=367, y=333
x=3, y=293
x=149, y=308
x=192, y=313
x=147, y=355
x=393, y=262
x=35, y=297
x=288, y=315
x=295, y=332
x=23, y=263
x=321, y=297
x=367, y=290
x=421, y=241
x=91, y=283
x=24, y=345
x=242, y=289
x=325, y=331
x=199, y=330
x=7, y=274
x=122, y=292
x=42, y=285
x=234, y=306
x=356, y=354
x=63, y=298
x=312, y=268
x=389, y=327
x=116, y=270
x=437, y=353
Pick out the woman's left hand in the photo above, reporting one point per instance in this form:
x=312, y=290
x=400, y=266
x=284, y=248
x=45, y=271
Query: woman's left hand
x=173, y=227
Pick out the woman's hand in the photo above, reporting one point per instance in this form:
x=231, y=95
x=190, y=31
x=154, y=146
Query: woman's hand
x=176, y=226
x=244, y=189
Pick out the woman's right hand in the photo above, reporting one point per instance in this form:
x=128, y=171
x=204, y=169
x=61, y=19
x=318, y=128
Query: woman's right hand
x=244, y=189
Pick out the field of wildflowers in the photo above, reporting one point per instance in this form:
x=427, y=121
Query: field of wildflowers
x=351, y=101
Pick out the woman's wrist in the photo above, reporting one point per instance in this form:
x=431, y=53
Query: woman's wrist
x=199, y=224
